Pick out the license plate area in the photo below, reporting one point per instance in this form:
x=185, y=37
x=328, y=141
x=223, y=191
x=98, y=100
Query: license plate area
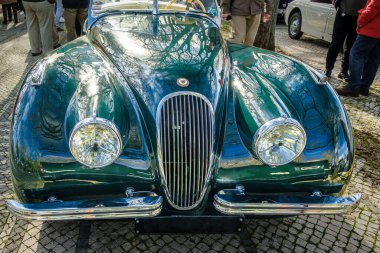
x=190, y=224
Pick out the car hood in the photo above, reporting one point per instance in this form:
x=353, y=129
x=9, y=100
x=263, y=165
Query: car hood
x=153, y=52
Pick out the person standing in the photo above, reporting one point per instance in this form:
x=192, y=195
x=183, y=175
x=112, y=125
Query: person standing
x=20, y=6
x=74, y=10
x=344, y=34
x=246, y=18
x=58, y=14
x=365, y=53
x=40, y=23
x=7, y=7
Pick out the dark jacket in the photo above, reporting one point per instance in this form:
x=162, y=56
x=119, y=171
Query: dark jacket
x=369, y=20
x=245, y=7
x=75, y=4
x=351, y=7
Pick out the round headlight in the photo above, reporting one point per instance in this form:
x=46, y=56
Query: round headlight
x=95, y=142
x=279, y=141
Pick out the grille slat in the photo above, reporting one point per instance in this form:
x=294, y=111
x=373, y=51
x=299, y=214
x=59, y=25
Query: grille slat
x=185, y=123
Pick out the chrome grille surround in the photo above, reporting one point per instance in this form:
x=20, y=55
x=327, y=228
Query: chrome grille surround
x=185, y=138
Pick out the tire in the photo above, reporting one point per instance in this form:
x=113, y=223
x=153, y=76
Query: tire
x=294, y=25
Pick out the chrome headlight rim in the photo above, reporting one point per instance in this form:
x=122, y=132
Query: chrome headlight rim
x=96, y=121
x=270, y=125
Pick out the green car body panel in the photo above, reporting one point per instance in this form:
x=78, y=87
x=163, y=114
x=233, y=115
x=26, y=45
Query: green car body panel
x=127, y=64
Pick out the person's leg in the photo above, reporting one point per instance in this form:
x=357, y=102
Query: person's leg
x=14, y=9
x=58, y=12
x=239, y=26
x=45, y=15
x=350, y=40
x=55, y=37
x=82, y=15
x=5, y=14
x=33, y=28
x=252, y=28
x=70, y=17
x=372, y=64
x=20, y=6
x=9, y=10
x=360, y=52
x=338, y=37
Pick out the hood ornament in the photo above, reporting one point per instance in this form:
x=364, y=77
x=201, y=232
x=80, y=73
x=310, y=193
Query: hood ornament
x=182, y=82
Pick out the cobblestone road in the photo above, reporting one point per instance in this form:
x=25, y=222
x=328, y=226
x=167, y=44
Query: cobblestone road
x=355, y=232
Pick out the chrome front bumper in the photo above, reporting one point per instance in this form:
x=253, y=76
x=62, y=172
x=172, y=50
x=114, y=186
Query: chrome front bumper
x=141, y=204
x=234, y=202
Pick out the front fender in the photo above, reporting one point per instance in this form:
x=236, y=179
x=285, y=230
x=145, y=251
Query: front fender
x=61, y=90
x=267, y=85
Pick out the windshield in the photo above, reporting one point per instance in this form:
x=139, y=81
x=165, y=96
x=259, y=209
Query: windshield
x=205, y=6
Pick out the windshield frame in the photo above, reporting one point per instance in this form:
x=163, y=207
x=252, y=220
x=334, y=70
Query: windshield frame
x=91, y=18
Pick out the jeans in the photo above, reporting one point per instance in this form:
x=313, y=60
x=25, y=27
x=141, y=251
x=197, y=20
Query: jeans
x=344, y=31
x=364, y=61
x=58, y=11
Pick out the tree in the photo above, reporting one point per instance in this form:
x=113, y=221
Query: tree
x=265, y=37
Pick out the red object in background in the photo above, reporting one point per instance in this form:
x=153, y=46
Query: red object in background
x=369, y=20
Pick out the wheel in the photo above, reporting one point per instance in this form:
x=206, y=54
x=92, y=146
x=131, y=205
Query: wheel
x=294, y=25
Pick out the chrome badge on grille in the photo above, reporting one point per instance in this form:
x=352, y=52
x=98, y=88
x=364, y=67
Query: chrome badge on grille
x=183, y=82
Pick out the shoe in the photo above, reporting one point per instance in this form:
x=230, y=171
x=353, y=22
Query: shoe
x=61, y=20
x=328, y=73
x=36, y=54
x=57, y=46
x=343, y=76
x=347, y=91
x=59, y=29
x=364, y=91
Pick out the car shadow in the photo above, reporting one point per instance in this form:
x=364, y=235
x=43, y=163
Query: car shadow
x=296, y=234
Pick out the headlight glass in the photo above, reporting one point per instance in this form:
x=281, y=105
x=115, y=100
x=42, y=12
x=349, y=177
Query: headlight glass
x=95, y=142
x=280, y=141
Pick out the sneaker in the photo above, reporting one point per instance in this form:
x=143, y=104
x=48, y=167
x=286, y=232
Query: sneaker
x=343, y=76
x=347, y=91
x=36, y=54
x=59, y=29
x=61, y=20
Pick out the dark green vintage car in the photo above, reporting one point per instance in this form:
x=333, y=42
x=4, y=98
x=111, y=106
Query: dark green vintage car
x=154, y=114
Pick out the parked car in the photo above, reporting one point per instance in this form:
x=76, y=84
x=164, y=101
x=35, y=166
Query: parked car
x=312, y=17
x=154, y=114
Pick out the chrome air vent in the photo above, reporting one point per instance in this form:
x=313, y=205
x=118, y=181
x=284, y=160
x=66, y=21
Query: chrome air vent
x=185, y=139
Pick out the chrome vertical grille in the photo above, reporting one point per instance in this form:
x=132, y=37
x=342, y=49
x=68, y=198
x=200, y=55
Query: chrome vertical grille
x=185, y=139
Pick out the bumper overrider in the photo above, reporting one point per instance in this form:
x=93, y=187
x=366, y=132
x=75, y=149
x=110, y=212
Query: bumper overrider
x=149, y=204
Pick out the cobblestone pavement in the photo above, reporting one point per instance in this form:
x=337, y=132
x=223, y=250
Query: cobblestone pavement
x=354, y=232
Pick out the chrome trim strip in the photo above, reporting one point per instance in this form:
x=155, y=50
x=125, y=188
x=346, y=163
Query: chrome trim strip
x=232, y=203
x=192, y=195
x=142, y=204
